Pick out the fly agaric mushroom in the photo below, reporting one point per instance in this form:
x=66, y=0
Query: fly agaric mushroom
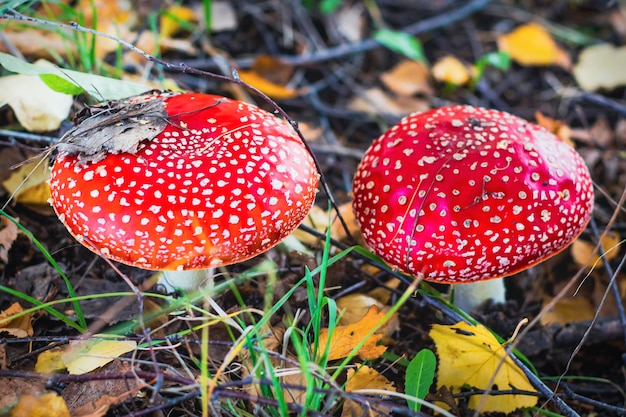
x=461, y=194
x=222, y=181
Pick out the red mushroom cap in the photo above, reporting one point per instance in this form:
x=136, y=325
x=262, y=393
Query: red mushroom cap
x=461, y=194
x=222, y=182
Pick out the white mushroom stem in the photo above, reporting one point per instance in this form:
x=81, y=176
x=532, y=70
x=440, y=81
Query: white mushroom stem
x=188, y=281
x=469, y=296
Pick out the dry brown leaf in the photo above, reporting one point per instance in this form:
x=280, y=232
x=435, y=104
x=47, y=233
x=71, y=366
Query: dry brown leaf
x=16, y=326
x=345, y=338
x=407, y=78
x=8, y=234
x=569, y=310
x=601, y=133
x=451, y=70
x=272, y=69
x=45, y=405
x=29, y=184
x=557, y=127
x=532, y=45
x=376, y=101
x=114, y=127
x=582, y=250
x=37, y=107
x=94, y=398
x=35, y=43
x=365, y=377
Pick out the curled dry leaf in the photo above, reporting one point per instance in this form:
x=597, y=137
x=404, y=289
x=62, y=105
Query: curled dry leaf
x=559, y=128
x=16, y=326
x=8, y=234
x=531, y=45
x=114, y=127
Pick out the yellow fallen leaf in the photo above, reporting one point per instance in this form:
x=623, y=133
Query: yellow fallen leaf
x=273, y=90
x=29, y=183
x=49, y=361
x=532, y=45
x=468, y=356
x=49, y=404
x=569, y=310
x=582, y=250
x=174, y=18
x=601, y=66
x=84, y=356
x=450, y=69
x=407, y=78
x=364, y=377
x=345, y=338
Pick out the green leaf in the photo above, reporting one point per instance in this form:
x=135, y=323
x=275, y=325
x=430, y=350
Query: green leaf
x=401, y=42
x=61, y=85
x=419, y=377
x=329, y=6
x=499, y=60
x=74, y=82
